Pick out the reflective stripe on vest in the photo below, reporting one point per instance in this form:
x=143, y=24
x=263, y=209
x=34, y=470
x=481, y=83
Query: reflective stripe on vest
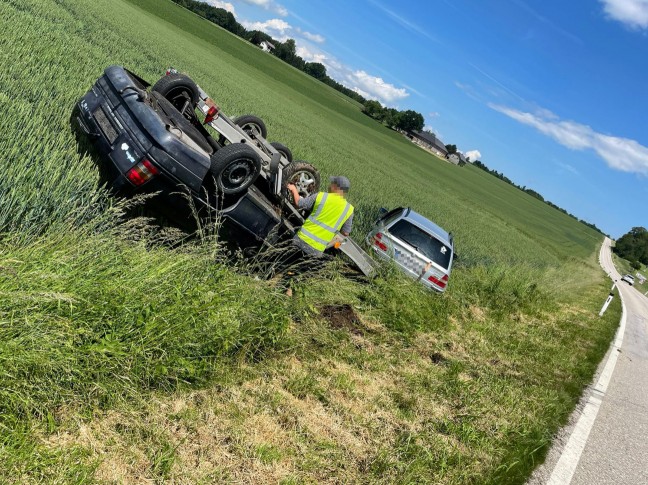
x=329, y=213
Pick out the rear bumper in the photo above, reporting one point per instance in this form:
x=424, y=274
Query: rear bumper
x=412, y=274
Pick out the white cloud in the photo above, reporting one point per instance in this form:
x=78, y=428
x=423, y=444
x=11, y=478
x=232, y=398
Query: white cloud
x=313, y=37
x=277, y=28
x=434, y=114
x=366, y=85
x=376, y=87
x=310, y=56
x=632, y=13
x=569, y=168
x=219, y=4
x=618, y=153
x=362, y=93
x=282, y=30
x=269, y=5
x=473, y=155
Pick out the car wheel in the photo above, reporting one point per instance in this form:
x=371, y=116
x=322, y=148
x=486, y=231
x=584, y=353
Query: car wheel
x=181, y=91
x=283, y=149
x=303, y=176
x=252, y=125
x=235, y=167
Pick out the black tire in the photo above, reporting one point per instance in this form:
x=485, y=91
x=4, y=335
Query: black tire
x=304, y=176
x=252, y=125
x=181, y=123
x=181, y=91
x=283, y=149
x=235, y=167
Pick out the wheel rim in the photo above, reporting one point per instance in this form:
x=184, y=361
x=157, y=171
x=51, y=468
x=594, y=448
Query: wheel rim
x=237, y=174
x=180, y=98
x=304, y=182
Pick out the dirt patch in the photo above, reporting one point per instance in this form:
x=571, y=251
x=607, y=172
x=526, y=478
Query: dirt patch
x=437, y=358
x=342, y=316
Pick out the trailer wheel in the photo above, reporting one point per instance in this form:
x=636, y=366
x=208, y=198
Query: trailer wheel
x=181, y=91
x=283, y=149
x=252, y=125
x=235, y=167
x=304, y=176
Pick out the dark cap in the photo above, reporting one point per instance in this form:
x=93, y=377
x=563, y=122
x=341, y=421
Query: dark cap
x=341, y=181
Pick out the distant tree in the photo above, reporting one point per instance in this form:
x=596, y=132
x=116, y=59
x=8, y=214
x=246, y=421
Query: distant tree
x=451, y=149
x=533, y=193
x=315, y=69
x=633, y=245
x=374, y=109
x=256, y=37
x=635, y=265
x=410, y=121
x=391, y=116
x=286, y=51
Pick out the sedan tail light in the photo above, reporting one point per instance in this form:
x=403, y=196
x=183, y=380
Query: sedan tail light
x=142, y=172
x=378, y=242
x=439, y=282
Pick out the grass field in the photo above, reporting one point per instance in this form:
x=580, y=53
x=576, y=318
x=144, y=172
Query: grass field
x=124, y=360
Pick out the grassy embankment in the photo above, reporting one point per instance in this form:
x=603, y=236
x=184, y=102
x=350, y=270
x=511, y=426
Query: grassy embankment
x=125, y=360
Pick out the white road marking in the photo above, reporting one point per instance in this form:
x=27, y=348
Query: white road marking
x=566, y=466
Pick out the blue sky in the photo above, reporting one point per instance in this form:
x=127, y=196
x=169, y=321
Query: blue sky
x=551, y=93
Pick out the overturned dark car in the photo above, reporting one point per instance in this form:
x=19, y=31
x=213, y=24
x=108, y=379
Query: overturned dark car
x=150, y=139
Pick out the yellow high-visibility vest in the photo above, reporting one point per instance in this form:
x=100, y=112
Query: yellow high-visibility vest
x=327, y=217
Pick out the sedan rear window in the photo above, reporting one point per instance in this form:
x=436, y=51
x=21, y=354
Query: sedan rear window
x=423, y=242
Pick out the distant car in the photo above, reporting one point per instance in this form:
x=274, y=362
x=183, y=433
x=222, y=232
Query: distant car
x=417, y=245
x=628, y=278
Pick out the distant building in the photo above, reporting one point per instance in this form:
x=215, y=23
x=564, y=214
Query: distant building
x=457, y=158
x=266, y=46
x=430, y=141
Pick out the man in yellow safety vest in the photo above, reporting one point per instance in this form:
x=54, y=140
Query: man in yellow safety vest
x=329, y=213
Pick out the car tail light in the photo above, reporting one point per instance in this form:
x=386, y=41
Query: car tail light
x=439, y=282
x=378, y=242
x=212, y=113
x=142, y=172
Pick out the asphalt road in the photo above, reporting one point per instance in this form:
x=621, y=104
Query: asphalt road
x=606, y=440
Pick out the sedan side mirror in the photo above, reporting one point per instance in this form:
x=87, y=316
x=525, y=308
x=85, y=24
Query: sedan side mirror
x=382, y=211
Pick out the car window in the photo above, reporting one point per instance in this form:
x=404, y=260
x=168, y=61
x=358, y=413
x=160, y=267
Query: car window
x=423, y=242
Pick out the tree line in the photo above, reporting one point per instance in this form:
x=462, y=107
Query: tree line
x=633, y=246
x=533, y=193
x=407, y=120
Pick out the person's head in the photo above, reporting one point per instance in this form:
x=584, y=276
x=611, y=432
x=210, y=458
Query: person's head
x=339, y=185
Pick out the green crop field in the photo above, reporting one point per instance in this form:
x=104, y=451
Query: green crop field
x=124, y=358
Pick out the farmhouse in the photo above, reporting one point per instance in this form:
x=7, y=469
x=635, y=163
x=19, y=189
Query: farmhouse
x=266, y=46
x=429, y=140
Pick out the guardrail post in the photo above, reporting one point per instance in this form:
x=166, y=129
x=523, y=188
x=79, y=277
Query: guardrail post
x=607, y=301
